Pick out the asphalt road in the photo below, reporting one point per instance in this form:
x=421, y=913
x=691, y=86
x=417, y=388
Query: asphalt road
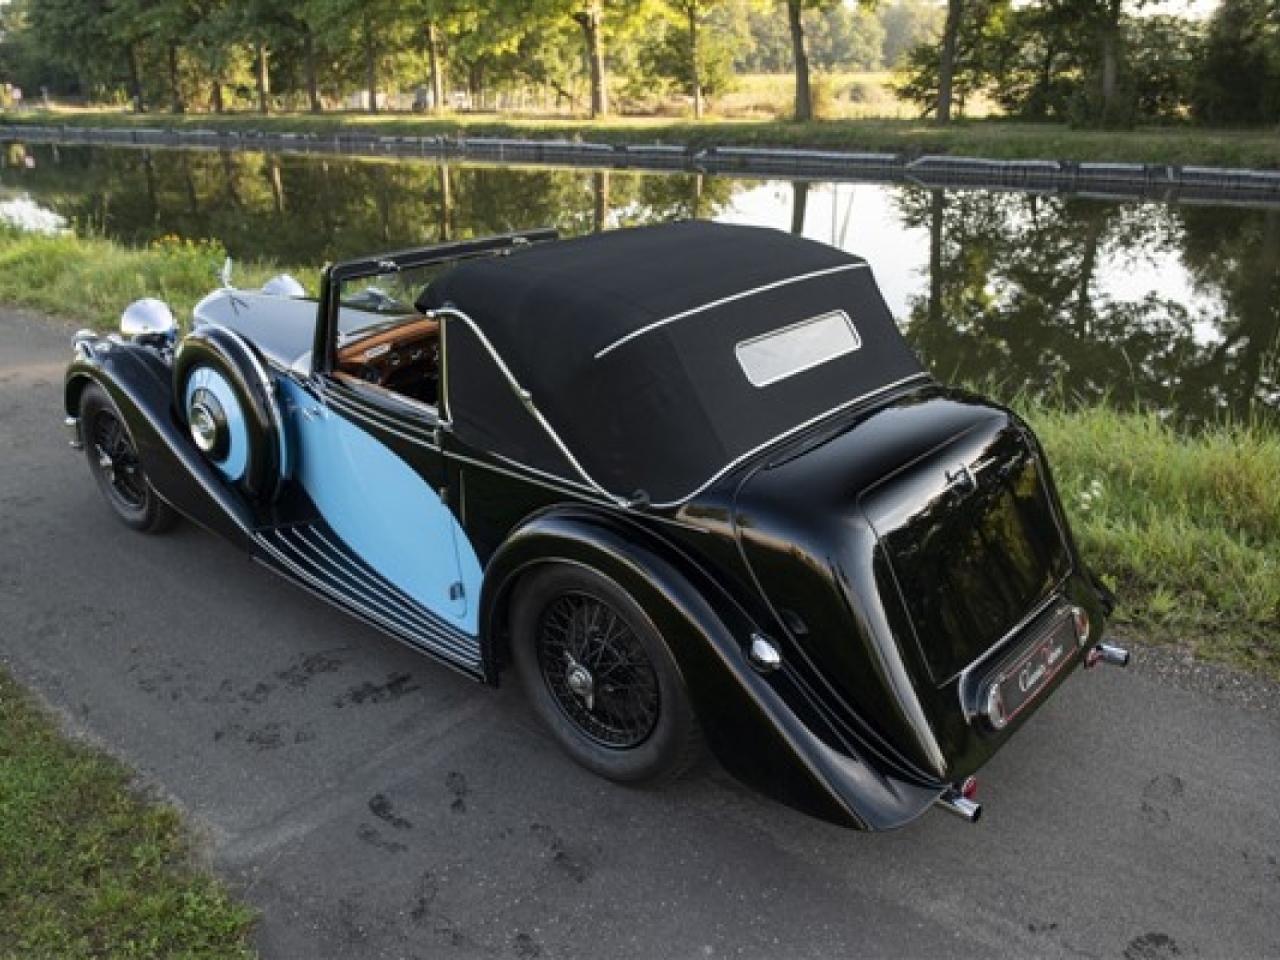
x=373, y=804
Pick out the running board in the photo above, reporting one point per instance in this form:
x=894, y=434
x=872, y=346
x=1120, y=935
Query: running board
x=312, y=555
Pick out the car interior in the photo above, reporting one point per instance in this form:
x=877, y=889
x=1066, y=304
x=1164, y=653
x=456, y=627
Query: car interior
x=403, y=358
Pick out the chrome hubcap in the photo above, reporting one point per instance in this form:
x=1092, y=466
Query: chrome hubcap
x=582, y=684
x=204, y=429
x=597, y=670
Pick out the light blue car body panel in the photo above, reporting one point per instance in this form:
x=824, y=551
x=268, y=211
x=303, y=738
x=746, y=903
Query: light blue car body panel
x=386, y=512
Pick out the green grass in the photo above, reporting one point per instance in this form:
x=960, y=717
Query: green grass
x=1186, y=529
x=87, y=867
x=92, y=280
x=991, y=137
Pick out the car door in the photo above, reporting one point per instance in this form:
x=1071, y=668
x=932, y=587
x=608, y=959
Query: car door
x=370, y=460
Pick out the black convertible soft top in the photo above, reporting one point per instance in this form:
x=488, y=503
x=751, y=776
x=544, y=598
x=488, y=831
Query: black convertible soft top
x=648, y=351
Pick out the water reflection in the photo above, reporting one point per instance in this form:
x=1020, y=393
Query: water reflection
x=1104, y=300
x=1175, y=306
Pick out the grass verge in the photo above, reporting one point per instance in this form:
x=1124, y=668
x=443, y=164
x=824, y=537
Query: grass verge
x=89, y=279
x=1185, y=527
x=994, y=138
x=89, y=868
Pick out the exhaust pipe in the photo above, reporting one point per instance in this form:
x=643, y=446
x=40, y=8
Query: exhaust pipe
x=955, y=802
x=1108, y=653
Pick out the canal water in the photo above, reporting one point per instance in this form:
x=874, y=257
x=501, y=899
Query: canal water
x=1168, y=305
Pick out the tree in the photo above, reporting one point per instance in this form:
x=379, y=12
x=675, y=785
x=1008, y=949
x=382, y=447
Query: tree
x=799, y=60
x=947, y=59
x=907, y=24
x=762, y=43
x=76, y=35
x=694, y=14
x=795, y=11
x=941, y=77
x=1237, y=79
x=1101, y=24
x=1040, y=64
x=1162, y=62
x=689, y=50
x=844, y=38
x=590, y=17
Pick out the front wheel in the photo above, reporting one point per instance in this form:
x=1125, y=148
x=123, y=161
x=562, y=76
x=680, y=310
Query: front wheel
x=600, y=677
x=113, y=461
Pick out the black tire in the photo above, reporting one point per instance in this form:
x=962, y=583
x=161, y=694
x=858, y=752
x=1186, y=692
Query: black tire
x=113, y=460
x=600, y=677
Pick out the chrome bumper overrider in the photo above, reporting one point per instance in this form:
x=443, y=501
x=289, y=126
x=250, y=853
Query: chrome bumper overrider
x=72, y=426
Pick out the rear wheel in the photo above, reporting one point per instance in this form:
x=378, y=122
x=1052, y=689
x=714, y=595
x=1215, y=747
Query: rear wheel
x=600, y=677
x=113, y=461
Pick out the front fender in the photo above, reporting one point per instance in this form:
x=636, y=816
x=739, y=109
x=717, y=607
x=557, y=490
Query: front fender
x=749, y=726
x=140, y=384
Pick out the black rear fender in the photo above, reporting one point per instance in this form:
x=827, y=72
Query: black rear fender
x=749, y=727
x=140, y=385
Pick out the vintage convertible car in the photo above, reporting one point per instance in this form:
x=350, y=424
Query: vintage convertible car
x=688, y=480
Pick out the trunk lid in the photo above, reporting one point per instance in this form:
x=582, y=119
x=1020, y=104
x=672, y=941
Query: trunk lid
x=972, y=540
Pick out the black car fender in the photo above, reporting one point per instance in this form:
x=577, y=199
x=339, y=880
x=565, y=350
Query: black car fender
x=139, y=382
x=751, y=730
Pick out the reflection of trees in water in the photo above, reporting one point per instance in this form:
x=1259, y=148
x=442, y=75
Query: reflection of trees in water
x=1237, y=258
x=306, y=210
x=1016, y=295
x=1017, y=289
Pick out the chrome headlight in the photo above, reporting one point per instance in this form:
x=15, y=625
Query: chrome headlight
x=284, y=286
x=148, y=318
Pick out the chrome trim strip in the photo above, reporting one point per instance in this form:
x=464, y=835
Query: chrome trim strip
x=520, y=471
x=411, y=621
x=732, y=464
x=342, y=566
x=742, y=294
x=378, y=418
x=281, y=565
x=463, y=646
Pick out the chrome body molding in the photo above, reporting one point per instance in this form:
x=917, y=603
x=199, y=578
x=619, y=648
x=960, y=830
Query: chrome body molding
x=787, y=281
x=314, y=556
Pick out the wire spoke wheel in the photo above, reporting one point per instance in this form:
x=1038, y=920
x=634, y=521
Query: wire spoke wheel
x=113, y=458
x=597, y=671
x=601, y=677
x=118, y=461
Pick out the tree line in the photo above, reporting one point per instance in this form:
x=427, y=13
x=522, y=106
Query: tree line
x=1089, y=62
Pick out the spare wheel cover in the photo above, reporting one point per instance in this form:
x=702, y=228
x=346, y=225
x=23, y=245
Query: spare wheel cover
x=226, y=402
